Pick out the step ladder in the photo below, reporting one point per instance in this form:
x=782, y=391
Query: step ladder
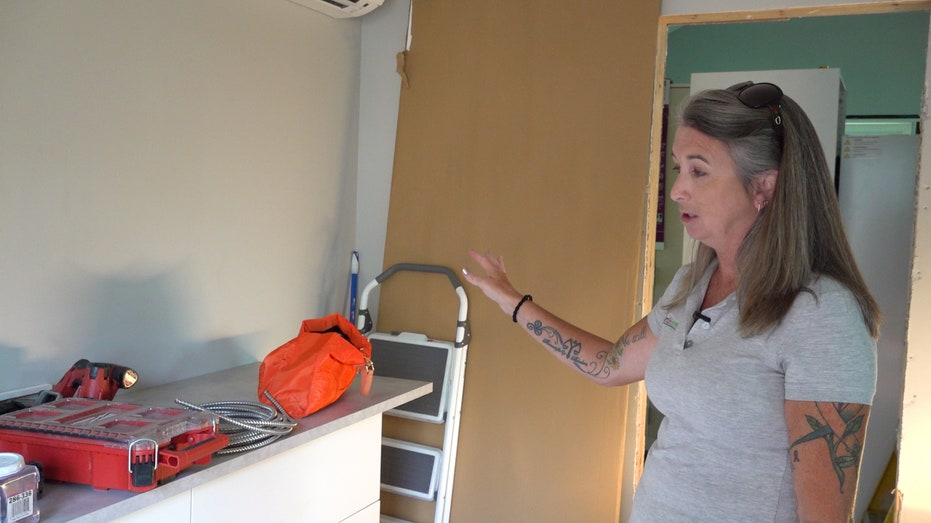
x=408, y=468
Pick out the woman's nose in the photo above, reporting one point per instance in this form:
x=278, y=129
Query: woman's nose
x=678, y=190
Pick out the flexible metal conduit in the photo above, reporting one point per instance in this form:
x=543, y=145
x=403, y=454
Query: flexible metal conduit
x=249, y=425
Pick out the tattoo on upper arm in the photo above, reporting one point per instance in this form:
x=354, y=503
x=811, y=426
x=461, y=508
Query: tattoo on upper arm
x=845, y=447
x=627, y=339
x=605, y=361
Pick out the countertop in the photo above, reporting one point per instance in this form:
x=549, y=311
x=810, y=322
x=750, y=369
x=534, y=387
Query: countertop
x=82, y=503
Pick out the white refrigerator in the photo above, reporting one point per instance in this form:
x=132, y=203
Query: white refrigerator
x=877, y=183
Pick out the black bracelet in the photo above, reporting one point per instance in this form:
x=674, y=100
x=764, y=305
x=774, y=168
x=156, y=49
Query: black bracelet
x=523, y=300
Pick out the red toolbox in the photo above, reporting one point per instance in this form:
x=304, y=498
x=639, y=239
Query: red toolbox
x=111, y=445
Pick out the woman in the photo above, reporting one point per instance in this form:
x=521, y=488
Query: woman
x=761, y=353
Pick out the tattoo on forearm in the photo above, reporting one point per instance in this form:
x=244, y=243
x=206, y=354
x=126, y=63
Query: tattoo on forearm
x=844, y=448
x=604, y=362
x=571, y=349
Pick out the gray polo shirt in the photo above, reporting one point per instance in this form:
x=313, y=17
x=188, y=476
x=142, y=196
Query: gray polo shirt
x=721, y=453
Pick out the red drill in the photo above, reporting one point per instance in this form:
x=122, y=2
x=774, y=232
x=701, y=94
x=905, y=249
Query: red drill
x=99, y=381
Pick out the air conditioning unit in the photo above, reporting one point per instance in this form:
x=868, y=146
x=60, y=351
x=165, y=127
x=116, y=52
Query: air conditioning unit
x=341, y=8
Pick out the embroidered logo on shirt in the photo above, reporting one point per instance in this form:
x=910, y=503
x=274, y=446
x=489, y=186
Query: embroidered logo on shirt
x=671, y=323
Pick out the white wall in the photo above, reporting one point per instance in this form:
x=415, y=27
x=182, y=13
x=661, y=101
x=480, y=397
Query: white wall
x=177, y=181
x=384, y=35
x=914, y=458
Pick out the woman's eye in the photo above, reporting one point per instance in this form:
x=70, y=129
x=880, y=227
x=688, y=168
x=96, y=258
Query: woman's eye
x=698, y=173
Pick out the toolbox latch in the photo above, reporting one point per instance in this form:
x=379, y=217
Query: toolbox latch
x=142, y=469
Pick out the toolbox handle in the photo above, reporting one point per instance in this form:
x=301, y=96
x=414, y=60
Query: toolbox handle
x=364, y=318
x=142, y=473
x=129, y=451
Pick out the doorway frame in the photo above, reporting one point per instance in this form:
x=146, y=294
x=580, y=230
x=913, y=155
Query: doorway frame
x=637, y=397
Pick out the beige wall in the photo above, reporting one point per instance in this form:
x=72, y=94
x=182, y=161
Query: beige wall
x=525, y=132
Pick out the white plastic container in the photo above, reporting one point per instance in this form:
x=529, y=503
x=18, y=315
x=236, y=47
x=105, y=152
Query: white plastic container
x=19, y=490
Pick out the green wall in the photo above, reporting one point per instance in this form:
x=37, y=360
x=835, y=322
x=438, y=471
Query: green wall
x=881, y=57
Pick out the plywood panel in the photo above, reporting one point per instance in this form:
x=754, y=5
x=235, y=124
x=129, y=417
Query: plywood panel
x=525, y=131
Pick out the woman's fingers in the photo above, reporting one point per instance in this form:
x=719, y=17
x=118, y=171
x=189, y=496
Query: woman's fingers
x=493, y=266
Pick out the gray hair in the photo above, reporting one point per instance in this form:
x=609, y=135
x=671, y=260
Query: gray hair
x=748, y=133
x=799, y=235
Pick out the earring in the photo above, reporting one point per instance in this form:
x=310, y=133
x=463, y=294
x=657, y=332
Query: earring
x=760, y=206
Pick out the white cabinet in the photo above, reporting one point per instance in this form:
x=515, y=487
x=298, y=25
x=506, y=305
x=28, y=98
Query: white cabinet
x=176, y=509
x=333, y=479
x=328, y=480
x=370, y=514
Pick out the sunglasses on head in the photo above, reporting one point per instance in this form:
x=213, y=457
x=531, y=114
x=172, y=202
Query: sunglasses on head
x=757, y=96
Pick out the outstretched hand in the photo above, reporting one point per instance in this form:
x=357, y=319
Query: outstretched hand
x=494, y=283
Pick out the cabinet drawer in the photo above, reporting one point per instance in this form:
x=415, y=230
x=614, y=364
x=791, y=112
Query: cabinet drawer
x=330, y=479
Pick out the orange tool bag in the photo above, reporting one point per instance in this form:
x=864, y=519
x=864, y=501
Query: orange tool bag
x=314, y=369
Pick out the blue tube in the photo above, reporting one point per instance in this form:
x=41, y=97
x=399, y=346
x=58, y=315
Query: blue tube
x=353, y=286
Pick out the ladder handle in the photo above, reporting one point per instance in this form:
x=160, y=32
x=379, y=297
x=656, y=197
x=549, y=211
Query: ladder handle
x=463, y=333
x=420, y=267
